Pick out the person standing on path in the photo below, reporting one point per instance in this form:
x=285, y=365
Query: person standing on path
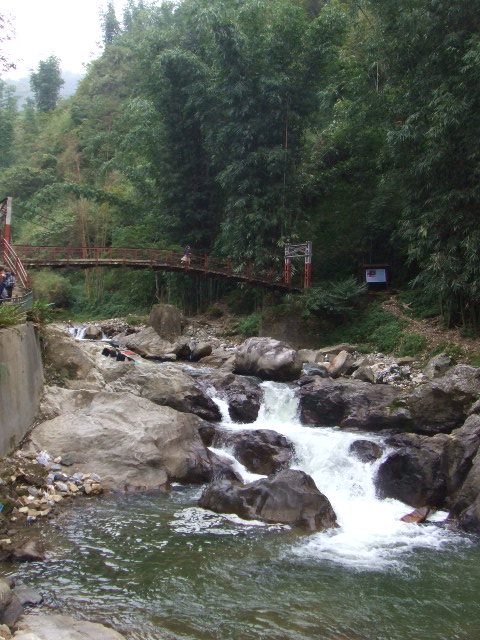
x=10, y=283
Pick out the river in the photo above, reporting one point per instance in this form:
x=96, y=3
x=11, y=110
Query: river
x=158, y=567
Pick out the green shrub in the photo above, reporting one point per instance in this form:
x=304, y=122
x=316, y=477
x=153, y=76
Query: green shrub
x=411, y=344
x=250, y=326
x=134, y=320
x=451, y=349
x=52, y=288
x=387, y=337
x=11, y=314
x=41, y=312
x=333, y=298
x=420, y=304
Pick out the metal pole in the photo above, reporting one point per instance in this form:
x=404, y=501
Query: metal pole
x=7, y=234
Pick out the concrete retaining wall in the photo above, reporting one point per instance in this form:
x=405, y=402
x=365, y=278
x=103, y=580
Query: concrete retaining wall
x=21, y=383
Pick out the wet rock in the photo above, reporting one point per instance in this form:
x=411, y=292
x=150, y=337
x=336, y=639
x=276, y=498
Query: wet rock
x=289, y=497
x=31, y=550
x=261, y=451
x=365, y=450
x=207, y=433
x=437, y=366
x=223, y=468
x=244, y=396
x=353, y=404
x=58, y=627
x=469, y=518
x=268, y=359
x=27, y=596
x=12, y=612
x=417, y=474
x=417, y=517
x=167, y=321
x=93, y=332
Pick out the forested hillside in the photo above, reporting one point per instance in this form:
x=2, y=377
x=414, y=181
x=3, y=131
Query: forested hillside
x=237, y=125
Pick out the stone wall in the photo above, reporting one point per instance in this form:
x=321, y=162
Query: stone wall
x=21, y=383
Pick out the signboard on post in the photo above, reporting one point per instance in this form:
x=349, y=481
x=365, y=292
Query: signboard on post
x=377, y=276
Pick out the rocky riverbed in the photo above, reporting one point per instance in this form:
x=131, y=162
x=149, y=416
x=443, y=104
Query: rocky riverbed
x=146, y=414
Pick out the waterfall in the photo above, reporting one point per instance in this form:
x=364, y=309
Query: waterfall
x=370, y=534
x=78, y=332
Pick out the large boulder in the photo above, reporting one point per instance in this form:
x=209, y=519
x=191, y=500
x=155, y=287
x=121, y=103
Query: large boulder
x=341, y=364
x=64, y=357
x=261, y=451
x=443, y=404
x=366, y=450
x=352, y=404
x=416, y=474
x=244, y=396
x=430, y=470
x=167, y=321
x=268, y=359
x=169, y=385
x=130, y=442
x=148, y=344
x=50, y=626
x=93, y=332
x=289, y=497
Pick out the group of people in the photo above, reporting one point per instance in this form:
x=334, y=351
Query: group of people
x=7, y=284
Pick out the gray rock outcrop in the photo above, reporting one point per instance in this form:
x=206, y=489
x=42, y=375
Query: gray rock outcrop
x=130, y=442
x=268, y=359
x=289, y=497
x=261, y=451
x=244, y=396
x=166, y=385
x=443, y=404
x=148, y=344
x=352, y=404
x=439, y=470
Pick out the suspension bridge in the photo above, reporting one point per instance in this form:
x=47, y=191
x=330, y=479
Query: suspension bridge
x=22, y=258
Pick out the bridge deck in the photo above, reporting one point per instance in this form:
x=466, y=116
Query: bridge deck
x=144, y=258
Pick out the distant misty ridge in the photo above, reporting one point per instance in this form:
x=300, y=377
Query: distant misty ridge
x=23, y=91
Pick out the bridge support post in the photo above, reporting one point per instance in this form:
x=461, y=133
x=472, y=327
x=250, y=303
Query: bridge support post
x=287, y=273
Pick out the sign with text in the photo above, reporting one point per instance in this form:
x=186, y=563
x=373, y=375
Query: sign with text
x=375, y=275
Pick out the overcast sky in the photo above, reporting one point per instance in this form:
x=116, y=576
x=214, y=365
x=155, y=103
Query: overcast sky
x=68, y=29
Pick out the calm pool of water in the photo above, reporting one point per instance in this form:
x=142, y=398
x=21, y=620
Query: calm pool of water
x=155, y=566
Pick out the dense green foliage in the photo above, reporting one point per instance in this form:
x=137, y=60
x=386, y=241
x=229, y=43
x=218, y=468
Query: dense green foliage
x=237, y=125
x=46, y=83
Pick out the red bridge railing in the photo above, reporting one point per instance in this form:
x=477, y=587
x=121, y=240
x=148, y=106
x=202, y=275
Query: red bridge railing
x=145, y=258
x=12, y=262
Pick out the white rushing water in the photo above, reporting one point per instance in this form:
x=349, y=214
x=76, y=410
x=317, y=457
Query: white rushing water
x=370, y=534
